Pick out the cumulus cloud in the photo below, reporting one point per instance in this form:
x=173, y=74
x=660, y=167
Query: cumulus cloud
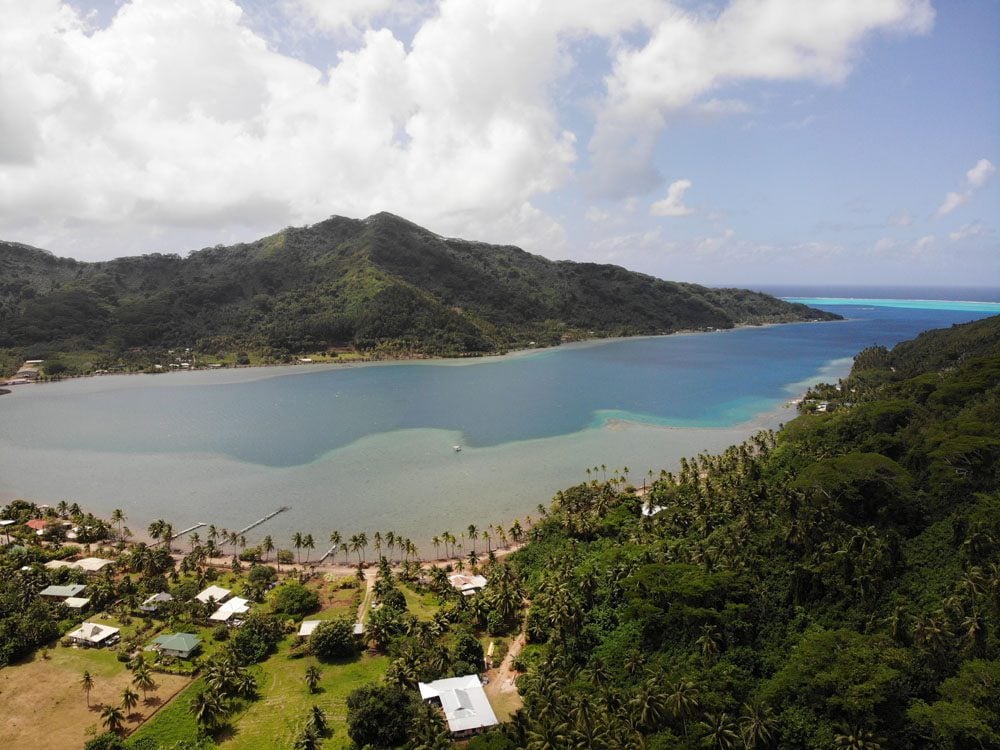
x=179, y=117
x=975, y=178
x=673, y=204
x=979, y=174
x=901, y=219
x=687, y=56
x=967, y=231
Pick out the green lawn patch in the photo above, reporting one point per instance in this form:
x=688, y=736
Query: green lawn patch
x=276, y=718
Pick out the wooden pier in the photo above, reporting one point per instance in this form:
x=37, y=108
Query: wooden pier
x=268, y=517
x=186, y=531
x=329, y=552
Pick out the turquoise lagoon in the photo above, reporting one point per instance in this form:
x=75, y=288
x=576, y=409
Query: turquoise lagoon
x=371, y=447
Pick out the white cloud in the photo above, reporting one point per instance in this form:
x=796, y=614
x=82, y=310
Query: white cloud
x=975, y=178
x=967, y=231
x=901, y=219
x=924, y=243
x=689, y=55
x=178, y=120
x=673, y=204
x=953, y=201
x=979, y=174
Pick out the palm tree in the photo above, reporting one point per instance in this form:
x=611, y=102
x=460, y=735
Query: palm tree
x=208, y=709
x=87, y=683
x=709, y=642
x=308, y=543
x=335, y=542
x=363, y=541
x=268, y=546
x=112, y=718
x=142, y=678
x=722, y=733
x=297, y=544
x=682, y=702
x=155, y=529
x=757, y=725
x=318, y=721
x=473, y=535
x=856, y=738
x=117, y=517
x=313, y=676
x=129, y=699
x=377, y=543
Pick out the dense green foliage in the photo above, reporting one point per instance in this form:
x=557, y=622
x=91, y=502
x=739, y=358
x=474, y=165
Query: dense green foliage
x=382, y=285
x=834, y=585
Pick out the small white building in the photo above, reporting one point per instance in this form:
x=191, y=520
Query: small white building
x=467, y=585
x=235, y=606
x=94, y=635
x=76, y=602
x=308, y=626
x=464, y=702
x=93, y=564
x=216, y=594
x=153, y=602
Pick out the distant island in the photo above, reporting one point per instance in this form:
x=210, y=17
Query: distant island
x=381, y=287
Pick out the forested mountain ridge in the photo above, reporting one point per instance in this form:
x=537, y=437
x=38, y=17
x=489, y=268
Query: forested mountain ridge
x=834, y=585
x=381, y=282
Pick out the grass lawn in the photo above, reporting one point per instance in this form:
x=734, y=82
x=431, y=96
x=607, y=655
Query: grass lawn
x=174, y=722
x=43, y=704
x=276, y=718
x=422, y=606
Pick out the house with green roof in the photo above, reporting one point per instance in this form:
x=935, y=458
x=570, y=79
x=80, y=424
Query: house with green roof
x=178, y=645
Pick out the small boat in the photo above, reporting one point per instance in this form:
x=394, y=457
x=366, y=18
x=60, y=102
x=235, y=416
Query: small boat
x=457, y=448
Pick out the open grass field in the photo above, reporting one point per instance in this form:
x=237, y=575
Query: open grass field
x=44, y=706
x=276, y=718
x=423, y=606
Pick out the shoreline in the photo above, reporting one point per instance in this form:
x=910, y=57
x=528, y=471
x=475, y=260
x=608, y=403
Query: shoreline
x=456, y=361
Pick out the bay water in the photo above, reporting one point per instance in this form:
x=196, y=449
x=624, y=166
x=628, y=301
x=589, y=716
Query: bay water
x=372, y=447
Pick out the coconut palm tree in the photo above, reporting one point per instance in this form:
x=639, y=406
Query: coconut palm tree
x=308, y=544
x=112, y=718
x=87, y=683
x=473, y=535
x=297, y=540
x=313, y=676
x=722, y=733
x=268, y=546
x=129, y=699
x=142, y=678
x=208, y=709
x=682, y=702
x=757, y=725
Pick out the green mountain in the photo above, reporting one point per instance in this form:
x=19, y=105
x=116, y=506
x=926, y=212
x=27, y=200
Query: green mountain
x=381, y=283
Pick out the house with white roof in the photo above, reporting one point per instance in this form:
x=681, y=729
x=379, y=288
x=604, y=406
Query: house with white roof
x=308, y=626
x=94, y=635
x=235, y=606
x=464, y=702
x=153, y=602
x=62, y=592
x=216, y=594
x=467, y=585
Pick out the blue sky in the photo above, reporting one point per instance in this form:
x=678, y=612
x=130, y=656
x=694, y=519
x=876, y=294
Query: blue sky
x=740, y=143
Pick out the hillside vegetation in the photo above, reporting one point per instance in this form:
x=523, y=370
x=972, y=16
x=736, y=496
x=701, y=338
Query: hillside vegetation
x=834, y=585
x=379, y=285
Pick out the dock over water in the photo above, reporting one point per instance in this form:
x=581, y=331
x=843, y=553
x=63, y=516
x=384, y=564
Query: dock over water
x=268, y=517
